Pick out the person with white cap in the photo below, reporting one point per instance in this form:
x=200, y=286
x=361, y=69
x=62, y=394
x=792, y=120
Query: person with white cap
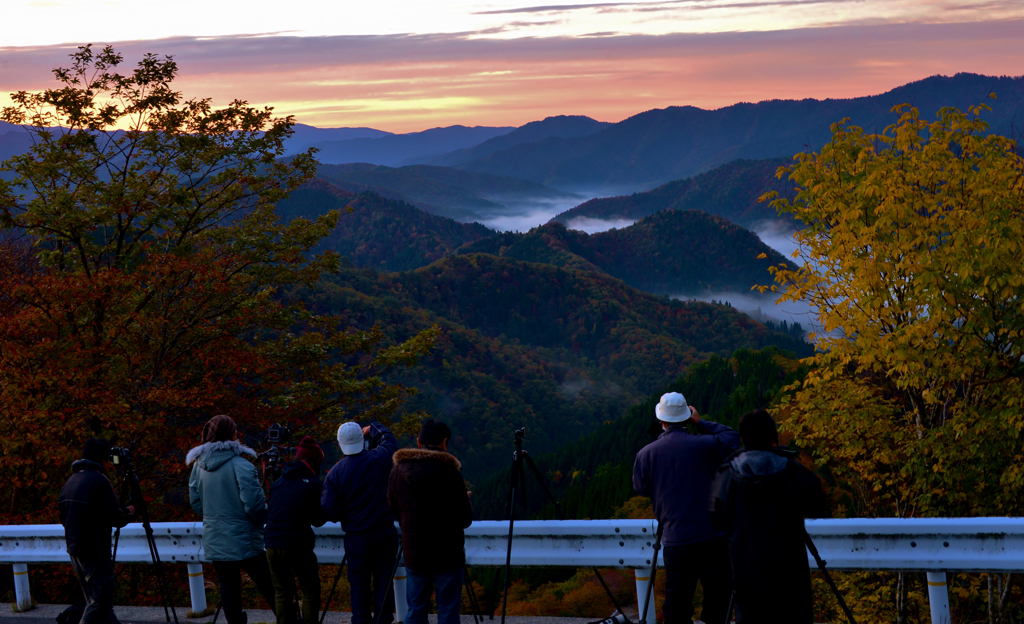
x=355, y=494
x=676, y=471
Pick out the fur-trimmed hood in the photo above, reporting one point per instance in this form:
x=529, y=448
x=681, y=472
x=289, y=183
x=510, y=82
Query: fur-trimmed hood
x=213, y=455
x=421, y=454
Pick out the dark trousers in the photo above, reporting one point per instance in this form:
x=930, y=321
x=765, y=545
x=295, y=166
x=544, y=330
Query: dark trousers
x=287, y=565
x=707, y=562
x=229, y=577
x=449, y=596
x=96, y=578
x=371, y=558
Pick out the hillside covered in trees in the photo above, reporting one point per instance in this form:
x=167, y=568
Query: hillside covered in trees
x=730, y=191
x=676, y=252
x=385, y=234
x=526, y=344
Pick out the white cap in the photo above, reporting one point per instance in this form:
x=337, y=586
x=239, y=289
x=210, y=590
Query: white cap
x=350, y=438
x=672, y=408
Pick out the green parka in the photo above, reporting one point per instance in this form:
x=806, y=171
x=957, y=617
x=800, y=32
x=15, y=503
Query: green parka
x=224, y=489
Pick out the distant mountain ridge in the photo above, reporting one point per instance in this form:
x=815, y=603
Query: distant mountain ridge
x=461, y=195
x=404, y=149
x=562, y=126
x=731, y=191
x=658, y=146
x=675, y=252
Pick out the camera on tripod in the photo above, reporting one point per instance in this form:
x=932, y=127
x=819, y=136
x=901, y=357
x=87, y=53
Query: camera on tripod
x=120, y=455
x=272, y=460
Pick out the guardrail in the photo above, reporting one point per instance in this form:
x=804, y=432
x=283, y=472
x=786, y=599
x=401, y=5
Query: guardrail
x=931, y=545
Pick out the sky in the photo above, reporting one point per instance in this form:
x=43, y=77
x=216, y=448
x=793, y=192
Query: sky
x=406, y=66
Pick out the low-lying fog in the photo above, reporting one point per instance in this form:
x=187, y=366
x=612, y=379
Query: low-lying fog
x=522, y=216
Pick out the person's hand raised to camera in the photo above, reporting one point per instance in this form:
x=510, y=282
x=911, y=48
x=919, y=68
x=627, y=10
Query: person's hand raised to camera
x=694, y=416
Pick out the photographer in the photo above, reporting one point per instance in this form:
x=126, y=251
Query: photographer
x=676, y=471
x=224, y=488
x=355, y=494
x=293, y=509
x=89, y=511
x=760, y=499
x=428, y=496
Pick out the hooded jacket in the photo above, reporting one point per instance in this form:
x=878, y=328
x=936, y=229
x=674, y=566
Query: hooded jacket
x=760, y=499
x=428, y=496
x=224, y=489
x=89, y=510
x=676, y=471
x=294, y=508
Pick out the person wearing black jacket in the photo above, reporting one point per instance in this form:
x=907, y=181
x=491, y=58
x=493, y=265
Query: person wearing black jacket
x=292, y=511
x=428, y=496
x=89, y=511
x=355, y=494
x=760, y=498
x=676, y=471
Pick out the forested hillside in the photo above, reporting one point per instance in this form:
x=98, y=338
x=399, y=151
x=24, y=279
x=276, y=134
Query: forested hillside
x=591, y=477
x=677, y=252
x=535, y=345
x=380, y=233
x=463, y=195
x=730, y=191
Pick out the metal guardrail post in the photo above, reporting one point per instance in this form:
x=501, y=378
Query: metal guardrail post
x=643, y=579
x=938, y=597
x=197, y=587
x=401, y=602
x=21, y=592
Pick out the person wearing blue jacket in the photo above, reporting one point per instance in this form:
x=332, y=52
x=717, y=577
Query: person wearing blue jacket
x=355, y=494
x=676, y=471
x=292, y=512
x=224, y=488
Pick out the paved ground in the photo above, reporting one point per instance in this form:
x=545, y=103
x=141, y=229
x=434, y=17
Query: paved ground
x=45, y=614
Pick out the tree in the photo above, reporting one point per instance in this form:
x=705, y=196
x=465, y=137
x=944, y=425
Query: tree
x=911, y=253
x=143, y=277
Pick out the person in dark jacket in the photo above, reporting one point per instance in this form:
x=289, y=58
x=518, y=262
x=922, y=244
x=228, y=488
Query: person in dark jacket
x=355, y=494
x=292, y=511
x=760, y=499
x=676, y=471
x=89, y=511
x=224, y=488
x=428, y=496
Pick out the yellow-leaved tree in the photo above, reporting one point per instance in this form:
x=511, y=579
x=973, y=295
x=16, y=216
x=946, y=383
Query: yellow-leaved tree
x=912, y=253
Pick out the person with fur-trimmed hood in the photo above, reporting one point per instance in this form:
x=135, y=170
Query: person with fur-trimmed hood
x=224, y=488
x=760, y=499
x=428, y=496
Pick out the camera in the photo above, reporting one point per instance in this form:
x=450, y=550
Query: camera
x=278, y=434
x=273, y=459
x=120, y=455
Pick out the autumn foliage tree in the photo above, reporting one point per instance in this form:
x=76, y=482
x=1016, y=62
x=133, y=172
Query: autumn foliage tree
x=142, y=268
x=911, y=252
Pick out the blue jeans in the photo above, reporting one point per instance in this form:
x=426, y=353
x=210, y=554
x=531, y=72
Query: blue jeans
x=449, y=596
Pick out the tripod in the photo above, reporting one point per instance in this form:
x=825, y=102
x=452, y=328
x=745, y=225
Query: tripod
x=131, y=492
x=517, y=484
x=828, y=577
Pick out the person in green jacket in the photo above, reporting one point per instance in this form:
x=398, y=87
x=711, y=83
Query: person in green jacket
x=224, y=489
